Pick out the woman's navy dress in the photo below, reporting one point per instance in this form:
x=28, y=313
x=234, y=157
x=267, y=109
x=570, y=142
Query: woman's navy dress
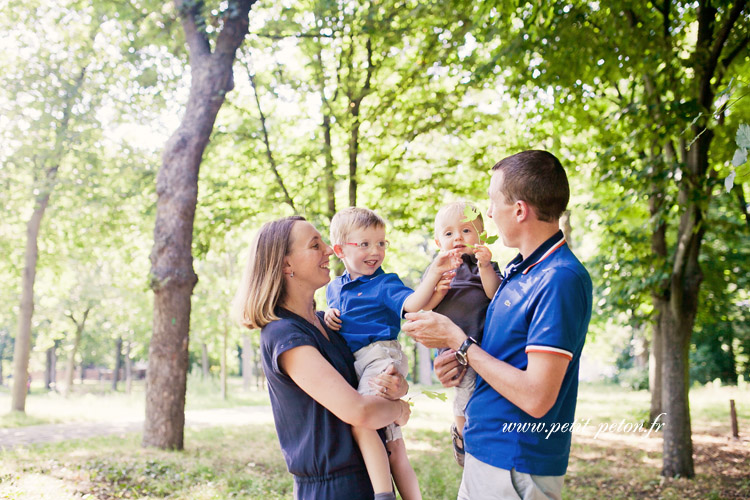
x=318, y=447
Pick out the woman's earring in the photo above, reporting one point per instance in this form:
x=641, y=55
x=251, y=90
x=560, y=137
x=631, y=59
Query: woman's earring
x=292, y=275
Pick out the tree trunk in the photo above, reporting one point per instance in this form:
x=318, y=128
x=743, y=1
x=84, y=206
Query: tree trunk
x=224, y=362
x=118, y=363
x=566, y=228
x=678, y=445
x=247, y=362
x=425, y=365
x=70, y=366
x=50, y=371
x=128, y=370
x=172, y=274
x=205, y=367
x=22, y=348
x=655, y=359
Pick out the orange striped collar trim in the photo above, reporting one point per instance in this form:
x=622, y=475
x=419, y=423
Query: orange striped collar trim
x=546, y=254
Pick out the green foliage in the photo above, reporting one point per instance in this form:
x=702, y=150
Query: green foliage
x=470, y=215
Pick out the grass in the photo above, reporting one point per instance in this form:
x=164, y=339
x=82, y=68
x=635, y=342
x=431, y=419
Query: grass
x=50, y=407
x=245, y=461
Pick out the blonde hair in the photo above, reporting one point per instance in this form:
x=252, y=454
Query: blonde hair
x=350, y=219
x=457, y=209
x=262, y=285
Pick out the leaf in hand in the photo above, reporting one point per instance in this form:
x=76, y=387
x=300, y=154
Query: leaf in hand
x=470, y=214
x=436, y=395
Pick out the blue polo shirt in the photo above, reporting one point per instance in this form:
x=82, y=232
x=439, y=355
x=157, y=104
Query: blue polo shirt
x=371, y=306
x=543, y=305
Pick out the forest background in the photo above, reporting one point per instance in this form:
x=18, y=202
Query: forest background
x=399, y=106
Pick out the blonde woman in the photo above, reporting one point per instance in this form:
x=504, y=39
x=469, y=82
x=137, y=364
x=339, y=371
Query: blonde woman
x=309, y=368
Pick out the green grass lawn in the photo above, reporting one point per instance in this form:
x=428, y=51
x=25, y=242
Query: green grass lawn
x=245, y=461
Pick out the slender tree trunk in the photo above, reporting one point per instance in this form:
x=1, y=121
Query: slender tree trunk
x=118, y=363
x=50, y=370
x=425, y=365
x=22, y=348
x=205, y=366
x=566, y=228
x=247, y=362
x=224, y=340
x=173, y=277
x=655, y=360
x=128, y=370
x=70, y=366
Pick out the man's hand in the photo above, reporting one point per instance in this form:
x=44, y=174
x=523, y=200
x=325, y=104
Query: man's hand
x=333, y=319
x=448, y=370
x=433, y=330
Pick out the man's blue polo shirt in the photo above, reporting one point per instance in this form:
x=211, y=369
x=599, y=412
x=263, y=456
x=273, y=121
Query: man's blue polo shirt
x=543, y=305
x=371, y=306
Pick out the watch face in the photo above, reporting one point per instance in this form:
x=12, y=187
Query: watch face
x=461, y=358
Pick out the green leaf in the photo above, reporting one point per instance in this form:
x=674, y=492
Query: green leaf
x=743, y=136
x=489, y=239
x=740, y=157
x=470, y=214
x=436, y=395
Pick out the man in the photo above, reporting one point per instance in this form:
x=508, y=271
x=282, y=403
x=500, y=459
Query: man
x=516, y=439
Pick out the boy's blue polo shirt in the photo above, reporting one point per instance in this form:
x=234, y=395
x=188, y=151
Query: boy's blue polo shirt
x=543, y=305
x=371, y=306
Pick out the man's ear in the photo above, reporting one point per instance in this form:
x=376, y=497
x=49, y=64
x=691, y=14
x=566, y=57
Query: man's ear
x=522, y=210
x=339, y=251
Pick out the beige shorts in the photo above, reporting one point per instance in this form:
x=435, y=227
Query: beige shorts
x=374, y=359
x=482, y=481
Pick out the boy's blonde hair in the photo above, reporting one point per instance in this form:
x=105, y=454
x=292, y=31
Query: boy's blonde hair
x=262, y=285
x=457, y=209
x=351, y=219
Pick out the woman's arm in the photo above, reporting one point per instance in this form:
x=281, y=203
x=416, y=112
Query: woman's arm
x=315, y=375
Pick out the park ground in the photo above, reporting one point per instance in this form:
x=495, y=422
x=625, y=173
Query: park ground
x=612, y=456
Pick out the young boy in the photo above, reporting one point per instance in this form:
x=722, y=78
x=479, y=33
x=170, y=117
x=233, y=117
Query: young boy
x=367, y=305
x=465, y=298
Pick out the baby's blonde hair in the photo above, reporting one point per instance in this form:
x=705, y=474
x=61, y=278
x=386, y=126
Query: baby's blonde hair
x=457, y=209
x=351, y=219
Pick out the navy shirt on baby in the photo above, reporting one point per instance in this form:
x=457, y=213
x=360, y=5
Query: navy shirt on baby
x=466, y=302
x=318, y=447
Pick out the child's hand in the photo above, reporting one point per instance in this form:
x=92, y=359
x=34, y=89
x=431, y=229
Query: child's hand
x=333, y=319
x=445, y=283
x=483, y=255
x=446, y=261
x=403, y=417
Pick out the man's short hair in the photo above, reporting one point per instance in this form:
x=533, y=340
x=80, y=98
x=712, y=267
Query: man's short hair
x=351, y=219
x=538, y=178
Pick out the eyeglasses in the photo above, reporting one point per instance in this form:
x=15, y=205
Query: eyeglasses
x=364, y=245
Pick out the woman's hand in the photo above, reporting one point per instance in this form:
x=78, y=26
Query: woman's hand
x=332, y=318
x=390, y=384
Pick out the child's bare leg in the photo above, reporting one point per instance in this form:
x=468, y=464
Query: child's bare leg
x=403, y=474
x=376, y=458
x=460, y=422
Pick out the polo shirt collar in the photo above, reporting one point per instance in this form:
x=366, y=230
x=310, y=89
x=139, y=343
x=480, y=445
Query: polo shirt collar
x=346, y=277
x=541, y=253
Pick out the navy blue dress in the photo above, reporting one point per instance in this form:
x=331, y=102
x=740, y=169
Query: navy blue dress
x=318, y=447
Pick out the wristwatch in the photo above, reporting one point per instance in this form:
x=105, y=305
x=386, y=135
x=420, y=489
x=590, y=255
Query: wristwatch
x=461, y=353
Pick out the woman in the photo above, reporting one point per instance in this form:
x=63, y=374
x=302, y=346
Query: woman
x=309, y=368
